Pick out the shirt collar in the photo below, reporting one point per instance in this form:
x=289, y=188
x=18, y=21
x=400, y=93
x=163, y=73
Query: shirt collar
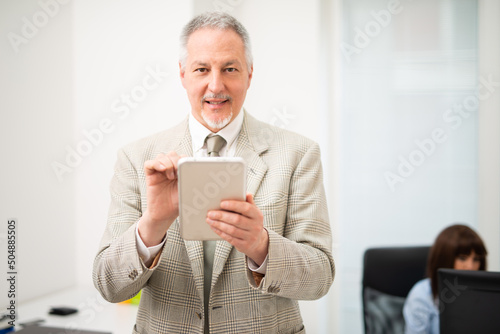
x=199, y=132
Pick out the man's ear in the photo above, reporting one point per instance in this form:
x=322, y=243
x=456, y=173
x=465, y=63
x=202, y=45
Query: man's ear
x=182, y=72
x=250, y=75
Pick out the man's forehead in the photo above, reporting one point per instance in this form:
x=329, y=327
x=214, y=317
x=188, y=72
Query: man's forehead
x=214, y=46
x=205, y=34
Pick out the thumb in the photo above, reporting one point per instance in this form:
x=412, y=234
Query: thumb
x=250, y=198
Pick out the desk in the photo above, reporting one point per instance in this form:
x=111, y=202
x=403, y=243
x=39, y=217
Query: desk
x=94, y=313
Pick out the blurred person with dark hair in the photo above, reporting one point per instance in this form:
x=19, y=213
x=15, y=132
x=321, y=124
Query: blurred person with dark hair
x=456, y=247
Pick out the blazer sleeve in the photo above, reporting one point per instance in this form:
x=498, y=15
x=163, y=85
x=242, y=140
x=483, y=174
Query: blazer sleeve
x=119, y=273
x=300, y=263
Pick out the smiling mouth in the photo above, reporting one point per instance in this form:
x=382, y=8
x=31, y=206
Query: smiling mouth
x=216, y=102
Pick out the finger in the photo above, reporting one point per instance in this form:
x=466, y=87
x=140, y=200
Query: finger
x=243, y=208
x=170, y=160
x=229, y=238
x=240, y=239
x=174, y=158
x=166, y=163
x=226, y=230
x=227, y=217
x=153, y=166
x=250, y=198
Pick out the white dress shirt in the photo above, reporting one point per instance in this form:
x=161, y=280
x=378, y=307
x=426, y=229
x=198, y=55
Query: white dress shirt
x=198, y=134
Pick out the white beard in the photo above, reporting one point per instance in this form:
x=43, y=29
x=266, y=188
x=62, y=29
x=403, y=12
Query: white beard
x=219, y=124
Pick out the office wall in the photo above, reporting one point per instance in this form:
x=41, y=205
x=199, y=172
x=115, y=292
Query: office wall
x=37, y=120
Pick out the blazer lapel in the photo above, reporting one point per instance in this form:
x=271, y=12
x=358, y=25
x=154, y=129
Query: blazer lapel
x=252, y=142
x=185, y=146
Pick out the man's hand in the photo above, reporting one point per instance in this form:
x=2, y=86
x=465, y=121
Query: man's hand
x=162, y=197
x=242, y=225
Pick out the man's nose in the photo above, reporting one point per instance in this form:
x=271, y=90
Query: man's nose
x=216, y=84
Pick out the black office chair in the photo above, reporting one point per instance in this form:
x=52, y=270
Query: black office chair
x=388, y=275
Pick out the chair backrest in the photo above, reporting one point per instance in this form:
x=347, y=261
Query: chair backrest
x=469, y=301
x=388, y=275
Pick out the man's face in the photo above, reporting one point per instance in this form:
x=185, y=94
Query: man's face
x=215, y=76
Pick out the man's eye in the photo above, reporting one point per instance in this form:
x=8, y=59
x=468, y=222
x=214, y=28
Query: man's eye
x=230, y=69
x=201, y=70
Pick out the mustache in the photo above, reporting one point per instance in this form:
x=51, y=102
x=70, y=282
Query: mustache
x=216, y=96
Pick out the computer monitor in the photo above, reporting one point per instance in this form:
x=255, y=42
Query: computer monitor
x=469, y=301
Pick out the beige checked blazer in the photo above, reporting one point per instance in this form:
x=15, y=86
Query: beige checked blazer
x=285, y=176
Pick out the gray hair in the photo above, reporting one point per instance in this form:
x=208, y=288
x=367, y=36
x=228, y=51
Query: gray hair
x=214, y=20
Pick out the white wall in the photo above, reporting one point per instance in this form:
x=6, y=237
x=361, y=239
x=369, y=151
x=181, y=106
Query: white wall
x=285, y=44
x=36, y=106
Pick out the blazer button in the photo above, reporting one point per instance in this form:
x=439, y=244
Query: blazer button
x=274, y=289
x=133, y=274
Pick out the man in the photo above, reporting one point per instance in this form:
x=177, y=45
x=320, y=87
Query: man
x=276, y=246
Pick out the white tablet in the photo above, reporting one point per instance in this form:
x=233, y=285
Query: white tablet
x=203, y=184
